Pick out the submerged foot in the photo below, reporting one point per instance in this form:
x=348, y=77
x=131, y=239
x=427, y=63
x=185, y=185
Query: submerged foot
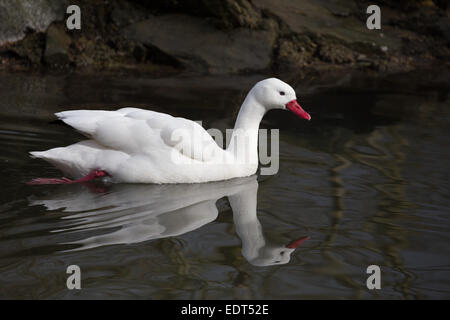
x=91, y=176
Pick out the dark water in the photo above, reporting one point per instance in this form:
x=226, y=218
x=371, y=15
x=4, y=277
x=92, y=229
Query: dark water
x=367, y=180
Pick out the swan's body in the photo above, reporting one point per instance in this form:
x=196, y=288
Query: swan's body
x=141, y=146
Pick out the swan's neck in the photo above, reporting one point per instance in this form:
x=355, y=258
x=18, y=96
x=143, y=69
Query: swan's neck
x=244, y=140
x=246, y=221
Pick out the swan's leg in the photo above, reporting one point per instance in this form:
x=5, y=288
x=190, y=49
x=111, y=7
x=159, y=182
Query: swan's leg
x=91, y=176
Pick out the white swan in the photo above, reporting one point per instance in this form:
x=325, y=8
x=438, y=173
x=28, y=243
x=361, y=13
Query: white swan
x=133, y=213
x=141, y=146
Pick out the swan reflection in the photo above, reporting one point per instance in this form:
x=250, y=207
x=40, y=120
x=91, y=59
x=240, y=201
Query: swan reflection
x=136, y=213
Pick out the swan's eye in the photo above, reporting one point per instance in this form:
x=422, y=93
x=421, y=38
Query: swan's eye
x=282, y=93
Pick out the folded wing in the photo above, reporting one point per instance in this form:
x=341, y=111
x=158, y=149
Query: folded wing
x=139, y=131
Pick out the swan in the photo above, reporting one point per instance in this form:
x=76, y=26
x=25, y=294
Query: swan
x=134, y=213
x=133, y=145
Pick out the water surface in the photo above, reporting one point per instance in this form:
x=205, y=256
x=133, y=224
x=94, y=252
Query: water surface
x=367, y=180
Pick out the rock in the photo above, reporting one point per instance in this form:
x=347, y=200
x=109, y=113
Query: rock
x=57, y=46
x=234, y=13
x=442, y=4
x=124, y=14
x=335, y=53
x=330, y=19
x=293, y=53
x=18, y=16
x=28, y=50
x=223, y=13
x=222, y=36
x=443, y=25
x=201, y=47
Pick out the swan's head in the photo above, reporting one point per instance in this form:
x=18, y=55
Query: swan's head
x=270, y=255
x=273, y=93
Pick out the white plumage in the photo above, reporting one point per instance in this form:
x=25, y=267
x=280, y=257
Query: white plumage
x=141, y=146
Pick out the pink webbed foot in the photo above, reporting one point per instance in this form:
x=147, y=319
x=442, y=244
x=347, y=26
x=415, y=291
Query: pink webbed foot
x=50, y=181
x=91, y=176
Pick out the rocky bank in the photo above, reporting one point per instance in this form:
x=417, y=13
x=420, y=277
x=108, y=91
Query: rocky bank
x=223, y=36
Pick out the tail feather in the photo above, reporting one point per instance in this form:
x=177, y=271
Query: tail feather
x=54, y=157
x=85, y=121
x=37, y=154
x=76, y=160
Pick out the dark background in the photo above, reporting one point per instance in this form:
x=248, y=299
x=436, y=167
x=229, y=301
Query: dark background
x=301, y=37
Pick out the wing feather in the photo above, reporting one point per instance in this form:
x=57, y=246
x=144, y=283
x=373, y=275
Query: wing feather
x=135, y=130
